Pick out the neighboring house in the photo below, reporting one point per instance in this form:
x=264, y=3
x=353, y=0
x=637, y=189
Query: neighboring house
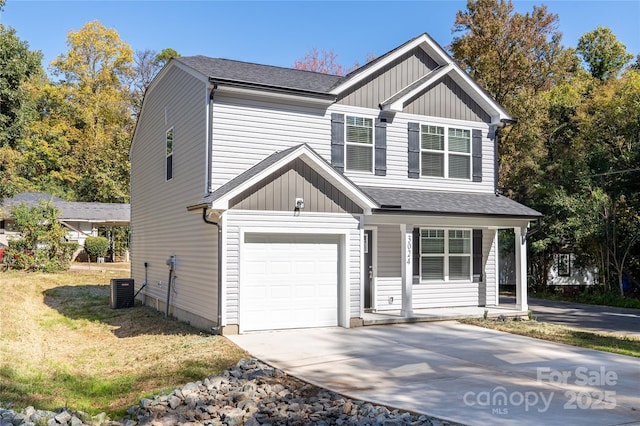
x=564, y=271
x=296, y=199
x=81, y=219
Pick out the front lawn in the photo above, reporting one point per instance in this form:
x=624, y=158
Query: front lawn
x=609, y=342
x=61, y=345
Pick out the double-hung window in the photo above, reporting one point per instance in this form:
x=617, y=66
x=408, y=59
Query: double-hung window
x=169, y=162
x=445, y=152
x=359, y=144
x=445, y=254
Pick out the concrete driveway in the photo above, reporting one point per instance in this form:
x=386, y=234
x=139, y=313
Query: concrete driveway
x=460, y=373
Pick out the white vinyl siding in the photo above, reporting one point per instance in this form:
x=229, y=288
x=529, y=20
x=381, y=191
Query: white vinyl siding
x=246, y=131
x=359, y=144
x=431, y=294
x=161, y=224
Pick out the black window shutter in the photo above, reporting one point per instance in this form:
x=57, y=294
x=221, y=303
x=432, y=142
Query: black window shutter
x=477, y=256
x=337, y=141
x=476, y=153
x=381, y=147
x=416, y=255
x=414, y=150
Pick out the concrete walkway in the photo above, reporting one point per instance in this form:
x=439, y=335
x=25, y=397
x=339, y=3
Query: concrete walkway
x=460, y=373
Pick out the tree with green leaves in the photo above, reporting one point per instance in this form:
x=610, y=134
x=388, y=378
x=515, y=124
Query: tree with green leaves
x=604, y=55
x=505, y=51
x=96, y=72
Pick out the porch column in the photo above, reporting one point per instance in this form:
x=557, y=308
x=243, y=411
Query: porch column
x=406, y=233
x=521, y=269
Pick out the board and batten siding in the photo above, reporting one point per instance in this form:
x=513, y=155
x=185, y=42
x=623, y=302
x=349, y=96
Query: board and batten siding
x=297, y=179
x=390, y=80
x=490, y=262
x=446, y=99
x=246, y=131
x=389, y=269
x=161, y=225
x=237, y=220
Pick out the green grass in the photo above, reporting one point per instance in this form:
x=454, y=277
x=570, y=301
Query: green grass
x=591, y=296
x=63, y=346
x=608, y=342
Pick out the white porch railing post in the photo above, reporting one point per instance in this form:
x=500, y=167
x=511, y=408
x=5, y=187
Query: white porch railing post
x=406, y=232
x=521, y=269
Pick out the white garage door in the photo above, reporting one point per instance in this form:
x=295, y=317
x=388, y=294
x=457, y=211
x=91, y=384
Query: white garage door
x=288, y=281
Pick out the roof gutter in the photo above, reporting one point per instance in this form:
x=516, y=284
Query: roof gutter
x=400, y=212
x=273, y=90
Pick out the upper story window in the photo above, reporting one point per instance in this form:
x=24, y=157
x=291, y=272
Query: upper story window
x=445, y=152
x=359, y=144
x=169, y=145
x=445, y=254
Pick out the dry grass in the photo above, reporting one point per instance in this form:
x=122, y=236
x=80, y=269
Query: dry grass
x=608, y=342
x=61, y=345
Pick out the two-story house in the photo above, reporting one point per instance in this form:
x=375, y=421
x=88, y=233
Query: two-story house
x=293, y=199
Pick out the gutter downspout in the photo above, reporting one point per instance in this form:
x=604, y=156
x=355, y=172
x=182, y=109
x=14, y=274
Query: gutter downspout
x=496, y=163
x=218, y=329
x=209, y=139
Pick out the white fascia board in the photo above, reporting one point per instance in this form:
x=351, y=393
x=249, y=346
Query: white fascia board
x=273, y=94
x=175, y=64
x=424, y=41
x=399, y=104
x=313, y=160
x=466, y=221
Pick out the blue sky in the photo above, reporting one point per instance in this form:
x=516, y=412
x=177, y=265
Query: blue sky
x=279, y=32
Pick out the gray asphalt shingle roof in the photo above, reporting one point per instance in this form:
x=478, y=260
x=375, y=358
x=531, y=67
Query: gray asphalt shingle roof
x=261, y=75
x=441, y=202
x=246, y=175
x=71, y=210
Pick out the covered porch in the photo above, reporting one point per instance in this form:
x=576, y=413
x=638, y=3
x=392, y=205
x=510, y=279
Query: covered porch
x=434, y=256
x=442, y=314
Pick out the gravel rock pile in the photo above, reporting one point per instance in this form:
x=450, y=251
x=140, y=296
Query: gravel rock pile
x=250, y=394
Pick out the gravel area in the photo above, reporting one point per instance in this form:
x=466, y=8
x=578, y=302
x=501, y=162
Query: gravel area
x=250, y=394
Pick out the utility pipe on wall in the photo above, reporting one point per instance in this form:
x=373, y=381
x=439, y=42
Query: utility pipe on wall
x=172, y=264
x=217, y=225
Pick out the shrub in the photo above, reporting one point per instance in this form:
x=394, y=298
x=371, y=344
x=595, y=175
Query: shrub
x=40, y=246
x=96, y=246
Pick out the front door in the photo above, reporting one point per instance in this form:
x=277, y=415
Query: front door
x=368, y=269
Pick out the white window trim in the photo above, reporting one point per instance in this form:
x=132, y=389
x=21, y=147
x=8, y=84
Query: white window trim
x=373, y=144
x=446, y=151
x=173, y=147
x=446, y=256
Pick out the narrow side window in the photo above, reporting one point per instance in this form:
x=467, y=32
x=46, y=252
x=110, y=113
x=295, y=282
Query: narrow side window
x=169, y=163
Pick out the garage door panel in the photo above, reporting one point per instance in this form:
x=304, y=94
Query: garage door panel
x=289, y=281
